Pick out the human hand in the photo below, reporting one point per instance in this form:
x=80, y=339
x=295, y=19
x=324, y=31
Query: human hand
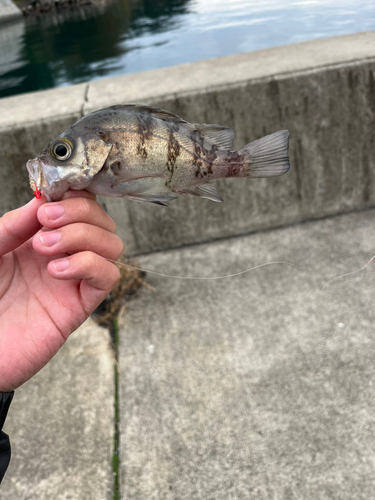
x=48, y=289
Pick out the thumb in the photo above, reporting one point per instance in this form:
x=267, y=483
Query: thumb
x=19, y=225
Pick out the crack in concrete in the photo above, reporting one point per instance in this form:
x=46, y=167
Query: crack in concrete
x=116, y=457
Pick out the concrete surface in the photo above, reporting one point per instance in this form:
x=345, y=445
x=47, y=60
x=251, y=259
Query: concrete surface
x=257, y=386
x=322, y=91
x=61, y=425
x=9, y=11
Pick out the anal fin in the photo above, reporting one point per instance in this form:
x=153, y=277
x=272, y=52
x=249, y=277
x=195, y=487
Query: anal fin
x=157, y=199
x=206, y=190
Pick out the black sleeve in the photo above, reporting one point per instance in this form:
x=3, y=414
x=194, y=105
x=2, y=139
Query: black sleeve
x=5, y=400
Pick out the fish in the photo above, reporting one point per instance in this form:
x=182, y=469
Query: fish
x=147, y=154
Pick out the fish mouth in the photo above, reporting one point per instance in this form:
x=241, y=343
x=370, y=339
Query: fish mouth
x=45, y=178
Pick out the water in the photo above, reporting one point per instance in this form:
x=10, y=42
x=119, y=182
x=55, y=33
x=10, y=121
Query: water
x=137, y=35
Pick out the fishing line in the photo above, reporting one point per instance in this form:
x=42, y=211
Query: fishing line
x=202, y=277
x=348, y=274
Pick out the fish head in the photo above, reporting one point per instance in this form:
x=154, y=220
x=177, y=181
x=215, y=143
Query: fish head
x=67, y=162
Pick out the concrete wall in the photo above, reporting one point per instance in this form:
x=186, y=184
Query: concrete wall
x=11, y=39
x=322, y=91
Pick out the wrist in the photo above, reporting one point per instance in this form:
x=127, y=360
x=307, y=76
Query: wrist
x=6, y=388
x=5, y=400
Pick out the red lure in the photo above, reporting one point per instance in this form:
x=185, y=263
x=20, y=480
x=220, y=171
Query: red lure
x=37, y=194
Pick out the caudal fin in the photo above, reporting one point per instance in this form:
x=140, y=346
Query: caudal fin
x=268, y=156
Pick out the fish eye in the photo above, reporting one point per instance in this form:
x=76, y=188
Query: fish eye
x=61, y=150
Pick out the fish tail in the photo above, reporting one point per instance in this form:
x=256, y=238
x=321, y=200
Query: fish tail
x=268, y=156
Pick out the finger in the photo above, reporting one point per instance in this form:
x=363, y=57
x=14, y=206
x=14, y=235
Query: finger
x=78, y=238
x=75, y=209
x=99, y=276
x=19, y=225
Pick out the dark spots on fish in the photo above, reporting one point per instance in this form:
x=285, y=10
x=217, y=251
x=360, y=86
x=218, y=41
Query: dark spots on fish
x=145, y=130
x=142, y=151
x=173, y=153
x=104, y=136
x=197, y=139
x=145, y=127
x=235, y=164
x=211, y=157
x=197, y=162
x=173, y=126
x=204, y=156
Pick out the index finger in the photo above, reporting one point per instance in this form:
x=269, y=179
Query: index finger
x=19, y=225
x=75, y=209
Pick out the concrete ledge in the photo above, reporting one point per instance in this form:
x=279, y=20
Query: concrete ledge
x=322, y=91
x=9, y=11
x=223, y=72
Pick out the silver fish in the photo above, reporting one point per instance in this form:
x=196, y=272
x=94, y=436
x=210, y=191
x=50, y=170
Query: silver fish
x=148, y=154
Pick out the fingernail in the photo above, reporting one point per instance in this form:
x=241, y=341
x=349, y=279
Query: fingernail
x=54, y=211
x=61, y=265
x=48, y=239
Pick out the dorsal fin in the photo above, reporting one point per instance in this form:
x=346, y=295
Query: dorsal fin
x=143, y=108
x=216, y=134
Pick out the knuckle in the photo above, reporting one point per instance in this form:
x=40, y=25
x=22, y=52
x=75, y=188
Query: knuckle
x=116, y=275
x=90, y=260
x=85, y=233
x=85, y=207
x=108, y=222
x=113, y=224
x=6, y=224
x=120, y=246
x=77, y=208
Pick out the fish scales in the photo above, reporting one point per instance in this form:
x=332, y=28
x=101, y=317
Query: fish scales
x=151, y=155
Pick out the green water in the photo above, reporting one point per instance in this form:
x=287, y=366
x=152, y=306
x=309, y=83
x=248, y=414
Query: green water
x=129, y=36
